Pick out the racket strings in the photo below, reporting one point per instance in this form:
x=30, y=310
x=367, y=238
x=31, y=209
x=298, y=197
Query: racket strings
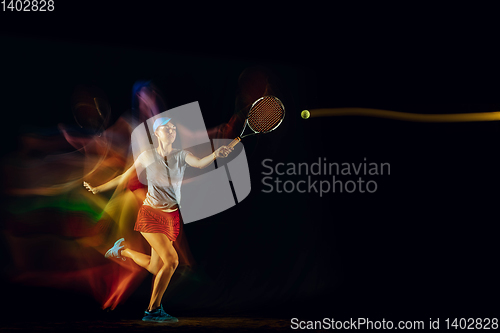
x=266, y=114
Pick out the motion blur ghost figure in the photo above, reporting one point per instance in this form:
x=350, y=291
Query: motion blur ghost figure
x=44, y=199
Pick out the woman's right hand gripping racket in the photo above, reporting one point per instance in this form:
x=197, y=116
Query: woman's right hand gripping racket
x=265, y=115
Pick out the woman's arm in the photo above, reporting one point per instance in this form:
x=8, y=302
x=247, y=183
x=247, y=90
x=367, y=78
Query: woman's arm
x=201, y=163
x=112, y=183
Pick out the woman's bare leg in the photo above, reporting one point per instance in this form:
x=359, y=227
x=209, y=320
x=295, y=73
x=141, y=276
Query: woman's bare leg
x=168, y=256
x=152, y=263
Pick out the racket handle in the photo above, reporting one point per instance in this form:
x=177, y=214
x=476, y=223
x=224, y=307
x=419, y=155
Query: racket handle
x=234, y=142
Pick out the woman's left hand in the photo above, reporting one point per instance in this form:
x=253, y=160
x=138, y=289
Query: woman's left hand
x=223, y=151
x=89, y=188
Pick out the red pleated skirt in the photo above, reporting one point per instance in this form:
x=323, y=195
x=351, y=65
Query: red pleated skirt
x=152, y=220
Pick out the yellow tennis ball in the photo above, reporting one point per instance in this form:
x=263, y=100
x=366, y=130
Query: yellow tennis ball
x=305, y=114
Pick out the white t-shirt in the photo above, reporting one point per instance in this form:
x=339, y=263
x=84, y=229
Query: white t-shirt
x=164, y=177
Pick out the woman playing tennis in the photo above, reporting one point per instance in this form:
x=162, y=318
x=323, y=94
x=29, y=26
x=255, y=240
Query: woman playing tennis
x=158, y=219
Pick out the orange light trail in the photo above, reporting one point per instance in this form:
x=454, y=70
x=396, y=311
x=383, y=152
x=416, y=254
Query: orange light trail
x=418, y=117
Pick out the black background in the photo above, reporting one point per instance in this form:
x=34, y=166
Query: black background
x=424, y=245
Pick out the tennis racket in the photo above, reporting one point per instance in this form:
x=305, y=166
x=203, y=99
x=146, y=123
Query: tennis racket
x=265, y=115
